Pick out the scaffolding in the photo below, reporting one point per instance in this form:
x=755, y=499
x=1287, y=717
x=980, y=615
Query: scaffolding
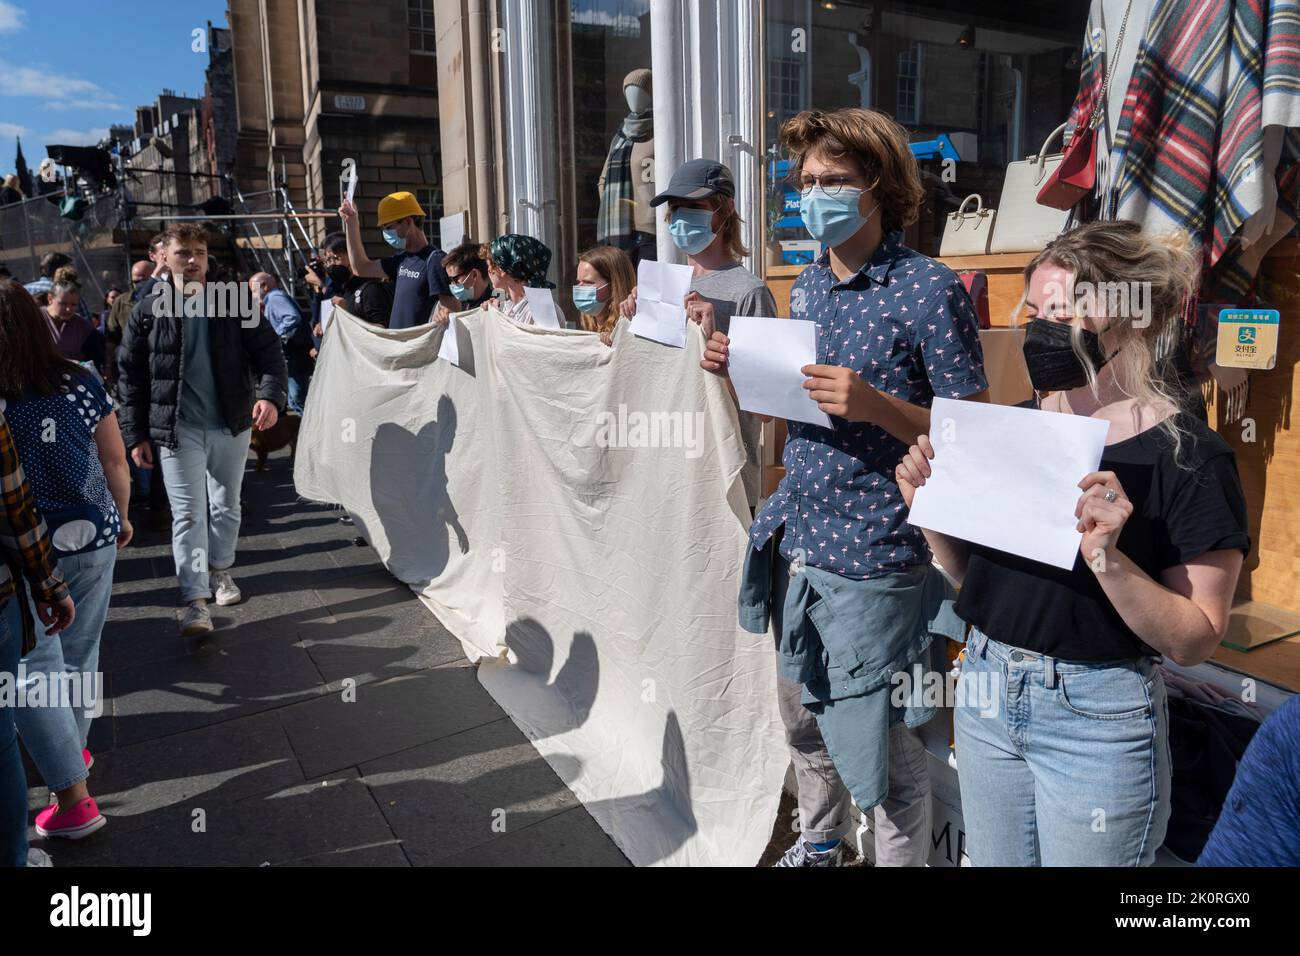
x=265, y=233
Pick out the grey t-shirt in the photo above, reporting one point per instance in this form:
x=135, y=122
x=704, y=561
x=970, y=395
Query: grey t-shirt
x=199, y=404
x=737, y=291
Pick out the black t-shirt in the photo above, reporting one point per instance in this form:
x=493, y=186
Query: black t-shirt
x=418, y=281
x=1179, y=513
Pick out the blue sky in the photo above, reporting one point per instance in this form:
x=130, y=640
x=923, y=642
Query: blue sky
x=71, y=68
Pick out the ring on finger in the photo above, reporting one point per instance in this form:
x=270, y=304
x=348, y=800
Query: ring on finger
x=1111, y=495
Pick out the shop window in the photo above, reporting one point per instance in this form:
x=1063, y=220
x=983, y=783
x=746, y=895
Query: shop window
x=609, y=39
x=1002, y=72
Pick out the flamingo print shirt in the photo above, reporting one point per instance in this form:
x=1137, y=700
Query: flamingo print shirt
x=905, y=323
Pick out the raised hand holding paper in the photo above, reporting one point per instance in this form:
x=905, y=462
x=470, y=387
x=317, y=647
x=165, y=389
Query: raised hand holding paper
x=1008, y=478
x=764, y=361
x=542, y=305
x=660, y=315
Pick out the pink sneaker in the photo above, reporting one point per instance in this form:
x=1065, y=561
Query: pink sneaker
x=81, y=821
x=87, y=759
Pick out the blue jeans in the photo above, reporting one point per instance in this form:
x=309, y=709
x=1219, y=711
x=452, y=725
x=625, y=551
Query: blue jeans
x=55, y=734
x=1060, y=764
x=204, y=474
x=13, y=779
x=300, y=367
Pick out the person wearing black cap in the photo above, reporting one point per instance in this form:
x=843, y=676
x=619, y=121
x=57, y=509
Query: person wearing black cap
x=704, y=224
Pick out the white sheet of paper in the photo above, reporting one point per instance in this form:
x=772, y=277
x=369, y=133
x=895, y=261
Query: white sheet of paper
x=764, y=361
x=541, y=303
x=451, y=231
x=660, y=315
x=352, y=183
x=450, y=348
x=326, y=313
x=1008, y=478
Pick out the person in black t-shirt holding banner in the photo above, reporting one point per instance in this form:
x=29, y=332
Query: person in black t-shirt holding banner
x=1061, y=721
x=419, y=281
x=368, y=299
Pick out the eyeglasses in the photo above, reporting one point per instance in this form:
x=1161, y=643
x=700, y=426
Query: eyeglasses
x=831, y=185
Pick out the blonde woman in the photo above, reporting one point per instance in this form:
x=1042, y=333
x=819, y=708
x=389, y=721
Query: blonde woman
x=605, y=278
x=1073, y=767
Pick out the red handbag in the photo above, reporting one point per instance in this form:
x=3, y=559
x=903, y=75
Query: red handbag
x=1076, y=176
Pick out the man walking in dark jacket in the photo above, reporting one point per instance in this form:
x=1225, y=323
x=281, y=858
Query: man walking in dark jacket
x=194, y=380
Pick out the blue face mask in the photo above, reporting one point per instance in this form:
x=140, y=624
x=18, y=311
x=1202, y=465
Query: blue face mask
x=393, y=239
x=692, y=230
x=833, y=219
x=460, y=292
x=585, y=298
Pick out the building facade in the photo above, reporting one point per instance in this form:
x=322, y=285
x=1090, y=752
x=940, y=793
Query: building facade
x=317, y=84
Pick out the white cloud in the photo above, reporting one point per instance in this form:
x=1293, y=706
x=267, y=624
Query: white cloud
x=12, y=129
x=89, y=103
x=65, y=91
x=74, y=137
x=11, y=18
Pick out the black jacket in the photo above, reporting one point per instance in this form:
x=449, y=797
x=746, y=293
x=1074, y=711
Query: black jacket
x=368, y=299
x=247, y=364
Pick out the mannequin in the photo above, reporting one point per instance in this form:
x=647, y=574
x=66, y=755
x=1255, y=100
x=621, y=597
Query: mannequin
x=627, y=183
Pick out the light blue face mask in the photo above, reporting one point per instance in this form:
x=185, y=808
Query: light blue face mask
x=585, y=298
x=833, y=219
x=460, y=292
x=394, y=240
x=692, y=229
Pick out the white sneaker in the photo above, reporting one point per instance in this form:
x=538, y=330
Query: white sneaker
x=197, y=621
x=226, y=590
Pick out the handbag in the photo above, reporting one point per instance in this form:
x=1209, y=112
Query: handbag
x=1076, y=176
x=1023, y=225
x=968, y=233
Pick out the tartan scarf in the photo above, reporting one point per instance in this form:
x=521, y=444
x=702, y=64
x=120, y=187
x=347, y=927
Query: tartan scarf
x=618, y=204
x=1209, y=136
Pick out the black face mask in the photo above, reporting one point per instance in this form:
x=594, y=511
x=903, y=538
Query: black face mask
x=1051, y=359
x=339, y=276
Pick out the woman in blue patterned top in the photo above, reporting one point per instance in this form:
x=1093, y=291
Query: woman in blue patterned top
x=66, y=433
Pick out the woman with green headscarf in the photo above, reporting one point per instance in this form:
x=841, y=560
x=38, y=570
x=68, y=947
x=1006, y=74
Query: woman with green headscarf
x=516, y=263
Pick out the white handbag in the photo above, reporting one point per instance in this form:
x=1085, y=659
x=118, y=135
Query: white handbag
x=1023, y=225
x=968, y=233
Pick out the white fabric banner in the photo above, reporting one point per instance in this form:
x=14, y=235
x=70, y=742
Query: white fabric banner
x=574, y=515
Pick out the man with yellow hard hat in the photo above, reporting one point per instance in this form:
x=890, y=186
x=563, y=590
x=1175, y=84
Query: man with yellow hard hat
x=419, y=281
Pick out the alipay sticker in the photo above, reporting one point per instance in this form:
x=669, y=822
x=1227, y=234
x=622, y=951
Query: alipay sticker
x=1248, y=338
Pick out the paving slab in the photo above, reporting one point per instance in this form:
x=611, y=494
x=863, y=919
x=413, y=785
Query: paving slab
x=330, y=720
